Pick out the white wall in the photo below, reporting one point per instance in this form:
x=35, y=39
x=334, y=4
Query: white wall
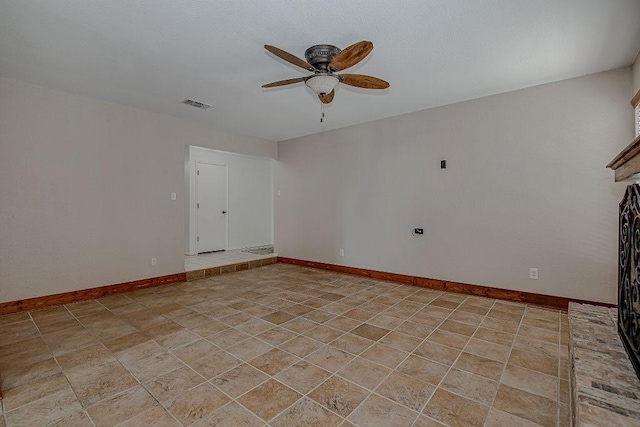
x=85, y=190
x=635, y=69
x=526, y=186
x=250, y=194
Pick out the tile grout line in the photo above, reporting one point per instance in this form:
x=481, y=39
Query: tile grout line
x=513, y=343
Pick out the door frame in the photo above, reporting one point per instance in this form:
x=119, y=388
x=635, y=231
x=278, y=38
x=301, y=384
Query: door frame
x=226, y=202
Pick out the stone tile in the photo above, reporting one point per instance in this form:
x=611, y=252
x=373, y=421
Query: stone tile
x=503, y=315
x=196, y=403
x=498, y=418
x=249, y=348
x=385, y=321
x=342, y=323
x=532, y=345
x=378, y=411
x=323, y=334
x=423, y=369
x=306, y=412
x=77, y=418
x=215, y=363
x=401, y=341
x=550, y=325
x=489, y=350
x=319, y=316
x=531, y=381
x=298, y=309
x=174, y=383
x=424, y=421
x=500, y=325
x=350, y=343
x=157, y=416
x=276, y=336
x=299, y=325
x=103, y=381
x=371, y=332
x=449, y=339
x=330, y=358
x=358, y=314
x=46, y=410
x=255, y=326
x=301, y=346
x=384, y=355
x=482, y=366
x=122, y=407
x=152, y=367
x=338, y=395
x=34, y=390
x=210, y=328
x=418, y=329
x=474, y=387
x=278, y=318
x=526, y=405
x=228, y=338
x=437, y=352
x=494, y=336
x=303, y=376
x=454, y=410
x=534, y=362
x=16, y=375
x=457, y=327
x=470, y=315
x=406, y=390
x=269, y=399
x=274, y=361
x=230, y=415
x=539, y=334
x=239, y=380
x=364, y=373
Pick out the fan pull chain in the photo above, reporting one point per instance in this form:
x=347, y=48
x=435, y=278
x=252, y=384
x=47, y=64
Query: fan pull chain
x=321, y=112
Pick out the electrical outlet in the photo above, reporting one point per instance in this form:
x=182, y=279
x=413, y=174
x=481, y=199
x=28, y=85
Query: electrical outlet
x=154, y=262
x=418, y=231
x=279, y=193
x=341, y=252
x=173, y=196
x=533, y=273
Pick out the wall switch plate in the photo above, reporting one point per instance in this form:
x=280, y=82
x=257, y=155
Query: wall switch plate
x=279, y=192
x=154, y=262
x=533, y=273
x=173, y=196
x=443, y=164
x=341, y=252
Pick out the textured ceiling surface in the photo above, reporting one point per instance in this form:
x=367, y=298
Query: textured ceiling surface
x=154, y=54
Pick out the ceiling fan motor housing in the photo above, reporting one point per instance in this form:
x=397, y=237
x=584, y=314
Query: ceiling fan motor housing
x=321, y=55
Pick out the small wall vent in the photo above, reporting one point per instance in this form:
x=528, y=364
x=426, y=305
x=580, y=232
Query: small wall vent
x=197, y=104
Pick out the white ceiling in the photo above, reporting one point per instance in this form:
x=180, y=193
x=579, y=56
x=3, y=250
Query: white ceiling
x=153, y=54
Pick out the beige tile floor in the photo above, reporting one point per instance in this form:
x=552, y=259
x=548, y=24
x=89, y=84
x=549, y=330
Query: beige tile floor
x=285, y=346
x=217, y=259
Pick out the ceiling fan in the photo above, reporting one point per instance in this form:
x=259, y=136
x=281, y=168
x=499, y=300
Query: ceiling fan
x=325, y=60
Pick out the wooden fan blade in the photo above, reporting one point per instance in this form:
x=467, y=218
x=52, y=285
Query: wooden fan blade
x=326, y=99
x=292, y=59
x=351, y=56
x=360, y=80
x=284, y=82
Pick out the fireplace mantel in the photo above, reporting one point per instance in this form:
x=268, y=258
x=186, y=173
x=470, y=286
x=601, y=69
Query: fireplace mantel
x=627, y=162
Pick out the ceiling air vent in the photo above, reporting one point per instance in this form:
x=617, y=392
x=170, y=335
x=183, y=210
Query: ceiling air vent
x=197, y=104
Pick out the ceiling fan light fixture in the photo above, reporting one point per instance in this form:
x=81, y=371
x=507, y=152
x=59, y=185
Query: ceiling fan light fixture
x=322, y=84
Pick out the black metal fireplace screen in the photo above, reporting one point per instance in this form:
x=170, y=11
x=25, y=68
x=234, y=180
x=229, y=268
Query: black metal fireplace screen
x=629, y=274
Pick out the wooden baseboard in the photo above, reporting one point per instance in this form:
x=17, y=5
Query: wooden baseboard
x=444, y=285
x=86, y=294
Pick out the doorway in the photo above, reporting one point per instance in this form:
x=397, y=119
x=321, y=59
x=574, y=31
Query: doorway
x=211, y=207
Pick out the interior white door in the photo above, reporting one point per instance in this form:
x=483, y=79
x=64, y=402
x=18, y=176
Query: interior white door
x=211, y=205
